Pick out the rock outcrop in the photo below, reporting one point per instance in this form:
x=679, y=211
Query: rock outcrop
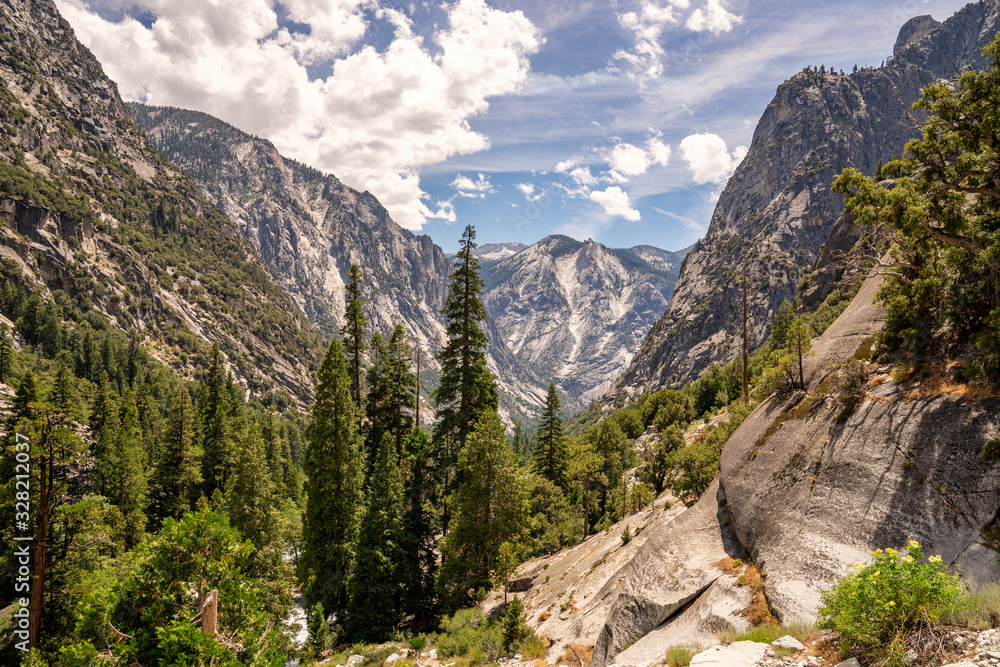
x=805, y=491
x=778, y=209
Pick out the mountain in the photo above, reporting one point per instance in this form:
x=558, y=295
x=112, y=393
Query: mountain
x=498, y=251
x=778, y=208
x=94, y=219
x=576, y=311
x=309, y=227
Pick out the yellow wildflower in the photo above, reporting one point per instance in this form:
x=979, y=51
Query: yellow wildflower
x=908, y=559
x=858, y=566
x=934, y=559
x=891, y=552
x=877, y=552
x=891, y=603
x=914, y=544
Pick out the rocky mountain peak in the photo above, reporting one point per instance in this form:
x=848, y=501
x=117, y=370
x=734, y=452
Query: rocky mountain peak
x=913, y=31
x=777, y=209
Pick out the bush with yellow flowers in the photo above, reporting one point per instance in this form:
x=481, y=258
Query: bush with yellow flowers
x=882, y=603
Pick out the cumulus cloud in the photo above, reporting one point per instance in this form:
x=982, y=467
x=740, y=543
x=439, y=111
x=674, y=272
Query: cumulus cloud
x=469, y=188
x=528, y=190
x=646, y=57
x=629, y=160
x=713, y=18
x=659, y=152
x=375, y=121
x=582, y=176
x=615, y=202
x=708, y=159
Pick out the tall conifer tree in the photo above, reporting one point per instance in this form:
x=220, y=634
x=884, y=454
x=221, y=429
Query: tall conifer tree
x=334, y=478
x=375, y=586
x=355, y=332
x=490, y=509
x=403, y=387
x=419, y=558
x=466, y=388
x=6, y=353
x=216, y=425
x=180, y=460
x=130, y=486
x=550, y=459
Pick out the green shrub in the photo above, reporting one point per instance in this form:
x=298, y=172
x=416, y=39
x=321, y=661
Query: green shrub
x=418, y=643
x=513, y=626
x=991, y=450
x=680, y=656
x=979, y=610
x=875, y=608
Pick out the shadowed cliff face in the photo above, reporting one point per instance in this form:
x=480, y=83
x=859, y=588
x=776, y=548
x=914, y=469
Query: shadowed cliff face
x=778, y=209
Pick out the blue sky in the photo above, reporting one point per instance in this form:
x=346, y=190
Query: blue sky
x=617, y=121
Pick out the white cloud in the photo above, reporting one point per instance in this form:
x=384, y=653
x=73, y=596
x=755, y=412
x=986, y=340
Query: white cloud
x=648, y=25
x=708, y=158
x=582, y=176
x=380, y=116
x=659, y=153
x=713, y=18
x=470, y=188
x=528, y=190
x=566, y=165
x=615, y=202
x=629, y=160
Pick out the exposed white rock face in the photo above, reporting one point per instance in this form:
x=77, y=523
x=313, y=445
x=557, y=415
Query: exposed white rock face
x=805, y=497
x=737, y=654
x=778, y=208
x=577, y=312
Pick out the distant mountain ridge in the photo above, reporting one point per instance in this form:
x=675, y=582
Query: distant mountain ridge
x=309, y=227
x=576, y=311
x=778, y=208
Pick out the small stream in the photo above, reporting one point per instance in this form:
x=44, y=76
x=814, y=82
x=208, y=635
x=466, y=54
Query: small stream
x=299, y=624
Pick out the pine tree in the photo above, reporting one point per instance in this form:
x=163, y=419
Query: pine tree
x=105, y=423
x=334, y=477
x=466, y=388
x=6, y=353
x=57, y=455
x=550, y=457
x=250, y=497
x=377, y=402
x=354, y=332
x=129, y=487
x=799, y=343
x=375, y=586
x=392, y=388
x=63, y=394
x=403, y=385
x=490, y=509
x=180, y=461
x=419, y=558
x=216, y=424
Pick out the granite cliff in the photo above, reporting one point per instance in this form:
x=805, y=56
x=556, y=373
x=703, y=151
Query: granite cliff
x=778, y=209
